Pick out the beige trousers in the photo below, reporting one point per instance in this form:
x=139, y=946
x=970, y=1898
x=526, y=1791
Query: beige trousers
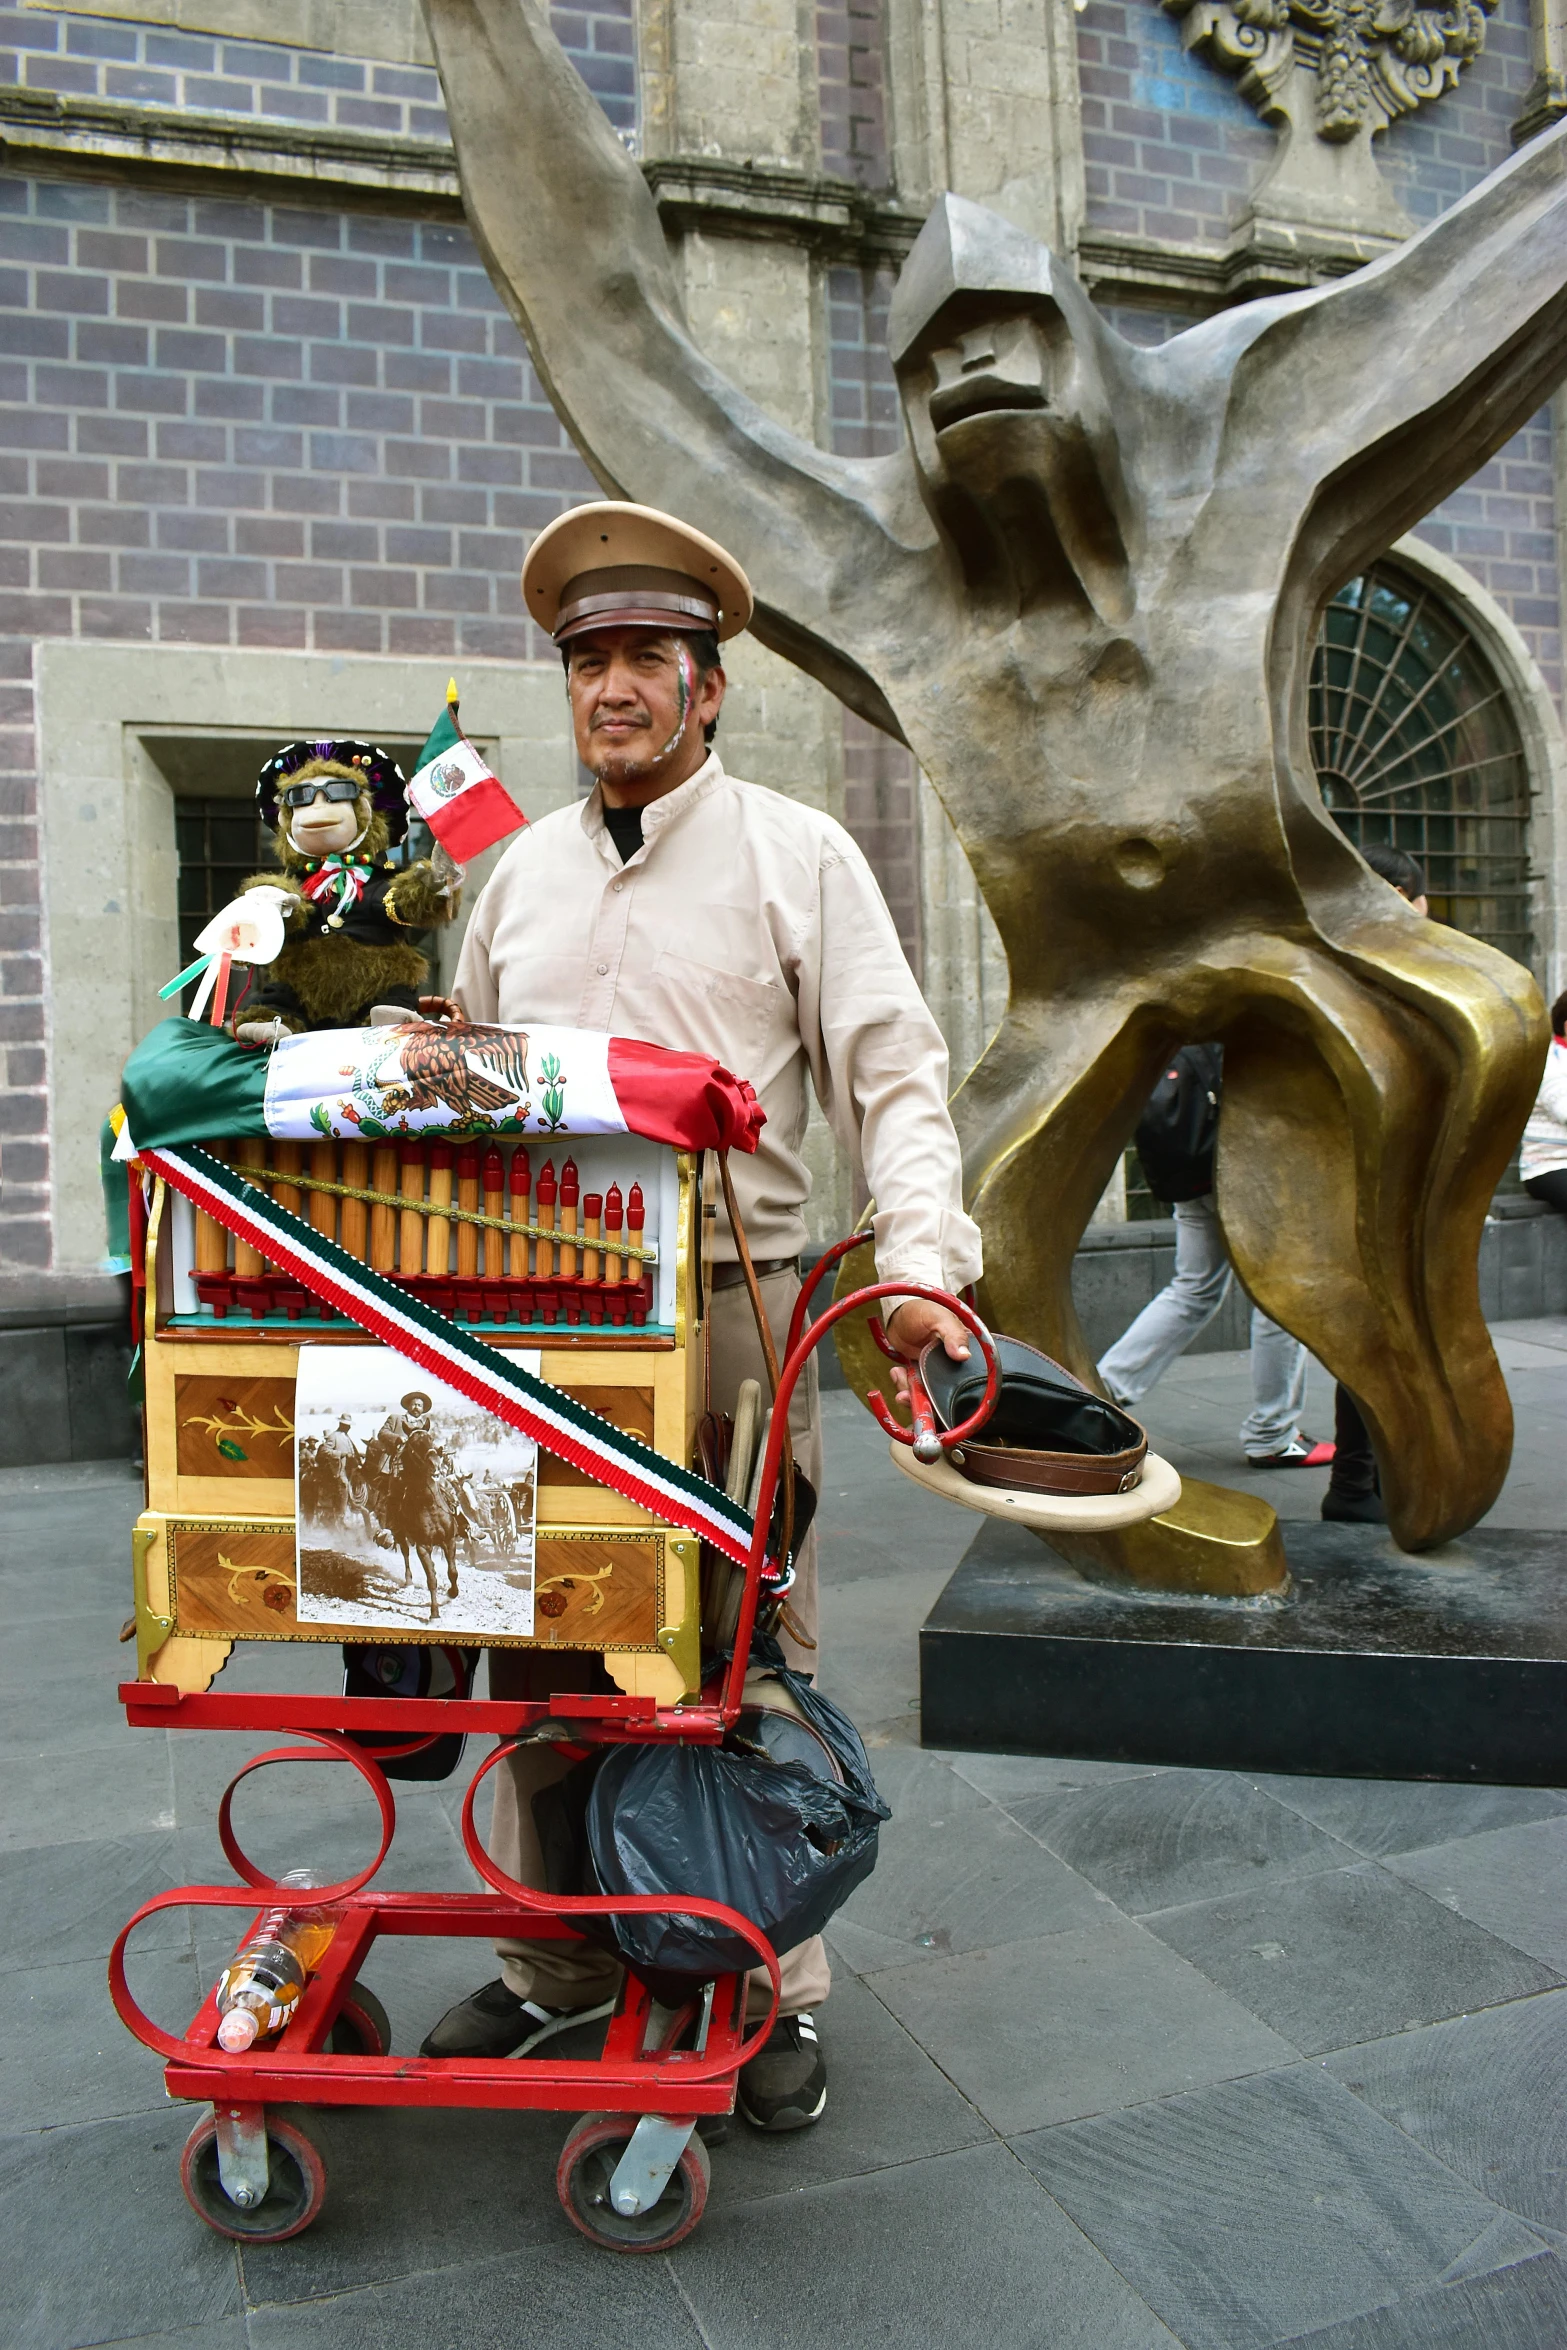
x=579, y=1974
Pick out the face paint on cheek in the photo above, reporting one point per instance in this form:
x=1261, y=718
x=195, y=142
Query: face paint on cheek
x=687, y=693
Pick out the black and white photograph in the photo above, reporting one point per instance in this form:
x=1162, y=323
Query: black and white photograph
x=414, y=1506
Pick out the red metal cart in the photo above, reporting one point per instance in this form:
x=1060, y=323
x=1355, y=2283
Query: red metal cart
x=633, y=2172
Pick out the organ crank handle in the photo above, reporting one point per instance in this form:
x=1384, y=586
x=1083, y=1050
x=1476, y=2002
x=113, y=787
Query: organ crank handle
x=928, y=1440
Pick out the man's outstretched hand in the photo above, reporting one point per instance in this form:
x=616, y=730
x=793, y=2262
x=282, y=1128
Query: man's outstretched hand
x=917, y=1322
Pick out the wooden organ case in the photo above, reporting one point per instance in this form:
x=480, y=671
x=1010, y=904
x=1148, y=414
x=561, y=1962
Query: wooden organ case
x=587, y=1250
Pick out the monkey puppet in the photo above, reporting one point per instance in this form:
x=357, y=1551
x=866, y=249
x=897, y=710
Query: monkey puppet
x=350, y=912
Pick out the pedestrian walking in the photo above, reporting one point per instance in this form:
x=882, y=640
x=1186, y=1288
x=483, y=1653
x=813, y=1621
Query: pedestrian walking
x=1176, y=1138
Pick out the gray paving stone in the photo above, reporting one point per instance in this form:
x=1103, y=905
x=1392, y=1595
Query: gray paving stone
x=410, y=2191
x=60, y=1902
x=1257, y=2211
x=221, y=2333
x=82, y=1798
x=870, y=1666
x=965, y=2249
x=1347, y=1956
x=1381, y=1816
x=1512, y=1881
x=331, y=1827
x=65, y=2056
x=1518, y=2308
x=101, y=2244
x=1485, y=2094
x=560, y=2296
x=1176, y=1836
x=887, y=2103
x=69, y=1714
x=1078, y=2023
x=1005, y=1775
x=956, y=1873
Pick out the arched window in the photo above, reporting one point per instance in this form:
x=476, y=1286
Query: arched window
x=1416, y=744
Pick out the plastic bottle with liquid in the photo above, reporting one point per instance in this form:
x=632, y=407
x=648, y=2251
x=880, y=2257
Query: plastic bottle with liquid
x=263, y=1981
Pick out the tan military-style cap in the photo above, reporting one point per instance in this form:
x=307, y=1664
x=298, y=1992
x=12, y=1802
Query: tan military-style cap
x=621, y=566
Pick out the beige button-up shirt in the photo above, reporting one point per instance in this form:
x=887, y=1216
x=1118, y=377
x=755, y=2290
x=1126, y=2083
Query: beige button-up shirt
x=751, y=928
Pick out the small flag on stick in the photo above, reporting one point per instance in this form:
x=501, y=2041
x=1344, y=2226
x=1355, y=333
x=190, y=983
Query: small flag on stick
x=466, y=807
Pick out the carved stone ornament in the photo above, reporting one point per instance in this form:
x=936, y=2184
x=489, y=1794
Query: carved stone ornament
x=1371, y=59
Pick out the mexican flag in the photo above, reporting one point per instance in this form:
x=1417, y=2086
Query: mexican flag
x=187, y=1082
x=466, y=807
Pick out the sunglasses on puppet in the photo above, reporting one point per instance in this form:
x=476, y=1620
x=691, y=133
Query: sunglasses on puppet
x=337, y=790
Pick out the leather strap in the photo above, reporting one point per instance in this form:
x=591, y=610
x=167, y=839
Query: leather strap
x=1050, y=1472
x=733, y=1276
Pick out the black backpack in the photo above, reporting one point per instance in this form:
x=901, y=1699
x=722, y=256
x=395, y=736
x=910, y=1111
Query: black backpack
x=1177, y=1131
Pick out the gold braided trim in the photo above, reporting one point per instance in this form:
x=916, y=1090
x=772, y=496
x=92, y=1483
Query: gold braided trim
x=259, y=1176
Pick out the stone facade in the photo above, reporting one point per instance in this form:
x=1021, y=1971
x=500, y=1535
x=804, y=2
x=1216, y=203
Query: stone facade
x=264, y=424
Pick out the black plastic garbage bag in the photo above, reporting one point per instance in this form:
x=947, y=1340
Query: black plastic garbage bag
x=779, y=1823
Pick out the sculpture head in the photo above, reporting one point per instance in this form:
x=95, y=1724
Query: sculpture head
x=999, y=356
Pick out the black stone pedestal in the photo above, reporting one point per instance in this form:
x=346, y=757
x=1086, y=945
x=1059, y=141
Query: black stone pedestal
x=1378, y=1665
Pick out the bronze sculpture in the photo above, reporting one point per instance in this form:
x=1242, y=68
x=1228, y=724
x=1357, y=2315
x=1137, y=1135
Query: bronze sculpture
x=1085, y=593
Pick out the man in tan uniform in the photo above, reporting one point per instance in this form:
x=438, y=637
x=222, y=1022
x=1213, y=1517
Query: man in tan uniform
x=684, y=908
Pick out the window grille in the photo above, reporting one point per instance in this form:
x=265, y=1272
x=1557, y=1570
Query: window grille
x=220, y=844
x=1416, y=746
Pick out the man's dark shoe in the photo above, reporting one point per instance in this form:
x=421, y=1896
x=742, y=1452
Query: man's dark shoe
x=784, y=2087
x=1354, y=1509
x=492, y=2023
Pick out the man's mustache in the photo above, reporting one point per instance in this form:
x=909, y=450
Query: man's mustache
x=619, y=718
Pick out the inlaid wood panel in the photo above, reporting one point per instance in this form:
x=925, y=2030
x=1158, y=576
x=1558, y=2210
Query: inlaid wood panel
x=234, y=1427
x=235, y=1579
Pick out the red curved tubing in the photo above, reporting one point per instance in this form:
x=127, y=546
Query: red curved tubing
x=244, y=1896
x=794, y=1364
x=142, y=2027
x=341, y=1749
x=813, y=1281
x=167, y=2045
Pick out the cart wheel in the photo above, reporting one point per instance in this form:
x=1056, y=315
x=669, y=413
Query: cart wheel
x=361, y=2026
x=296, y=2188
x=587, y=2163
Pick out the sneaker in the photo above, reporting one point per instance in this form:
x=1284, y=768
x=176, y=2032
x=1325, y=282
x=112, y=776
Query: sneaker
x=784, y=2087
x=1354, y=1509
x=492, y=2022
x=1300, y=1453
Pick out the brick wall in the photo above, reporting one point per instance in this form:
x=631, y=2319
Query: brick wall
x=245, y=424
x=880, y=781
x=240, y=424
x=85, y=57
x=1171, y=149
x=866, y=418
x=1431, y=157
x=1502, y=526
x=851, y=87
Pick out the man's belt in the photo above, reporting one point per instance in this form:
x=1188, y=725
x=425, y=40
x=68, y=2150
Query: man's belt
x=733, y=1276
